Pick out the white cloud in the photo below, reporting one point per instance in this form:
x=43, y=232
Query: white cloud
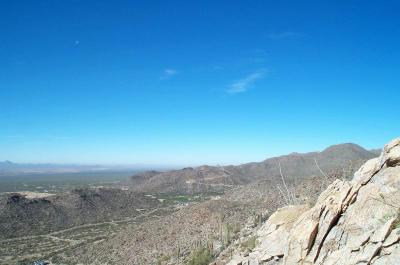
x=243, y=85
x=168, y=73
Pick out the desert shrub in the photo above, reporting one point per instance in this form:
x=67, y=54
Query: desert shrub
x=396, y=222
x=258, y=218
x=249, y=244
x=201, y=256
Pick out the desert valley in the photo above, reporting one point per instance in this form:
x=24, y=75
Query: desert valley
x=168, y=217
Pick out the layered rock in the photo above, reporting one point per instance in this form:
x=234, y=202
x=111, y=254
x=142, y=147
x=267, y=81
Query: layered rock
x=353, y=222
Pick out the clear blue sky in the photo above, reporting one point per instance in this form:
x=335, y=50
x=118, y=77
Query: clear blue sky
x=193, y=82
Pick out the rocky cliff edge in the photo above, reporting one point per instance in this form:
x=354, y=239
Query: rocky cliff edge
x=353, y=222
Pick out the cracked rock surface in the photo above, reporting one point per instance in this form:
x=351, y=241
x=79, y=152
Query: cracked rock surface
x=353, y=222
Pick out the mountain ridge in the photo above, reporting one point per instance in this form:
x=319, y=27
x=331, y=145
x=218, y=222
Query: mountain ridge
x=218, y=178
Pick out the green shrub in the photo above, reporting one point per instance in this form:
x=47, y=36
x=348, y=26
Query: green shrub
x=201, y=256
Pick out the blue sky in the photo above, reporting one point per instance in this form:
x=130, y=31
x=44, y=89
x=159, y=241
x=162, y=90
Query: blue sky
x=193, y=82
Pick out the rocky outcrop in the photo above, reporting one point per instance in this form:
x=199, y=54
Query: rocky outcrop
x=353, y=222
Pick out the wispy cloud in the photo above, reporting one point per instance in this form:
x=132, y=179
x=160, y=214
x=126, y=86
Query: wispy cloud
x=243, y=85
x=217, y=67
x=60, y=137
x=14, y=136
x=168, y=73
x=44, y=137
x=285, y=35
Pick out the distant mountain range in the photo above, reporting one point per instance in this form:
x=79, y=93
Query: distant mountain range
x=292, y=165
x=342, y=159
x=11, y=168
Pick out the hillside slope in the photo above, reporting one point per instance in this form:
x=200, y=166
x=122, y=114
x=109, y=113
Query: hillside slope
x=21, y=215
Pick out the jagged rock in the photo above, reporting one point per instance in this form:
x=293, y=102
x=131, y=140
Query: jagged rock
x=353, y=222
x=272, y=237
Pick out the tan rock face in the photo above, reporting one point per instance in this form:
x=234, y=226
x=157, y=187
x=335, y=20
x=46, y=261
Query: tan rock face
x=272, y=237
x=353, y=222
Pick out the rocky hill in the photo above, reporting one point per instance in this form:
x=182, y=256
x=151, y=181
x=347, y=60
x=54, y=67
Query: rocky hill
x=353, y=222
x=340, y=157
x=29, y=214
